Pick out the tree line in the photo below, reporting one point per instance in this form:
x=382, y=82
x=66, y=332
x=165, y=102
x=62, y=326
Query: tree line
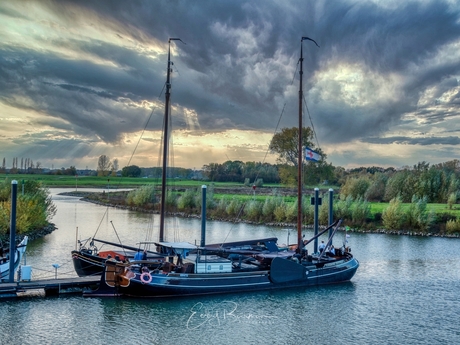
x=438, y=183
x=276, y=209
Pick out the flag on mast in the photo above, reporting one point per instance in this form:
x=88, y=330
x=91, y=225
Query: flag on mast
x=311, y=155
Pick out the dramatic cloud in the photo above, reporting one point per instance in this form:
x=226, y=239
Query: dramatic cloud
x=80, y=79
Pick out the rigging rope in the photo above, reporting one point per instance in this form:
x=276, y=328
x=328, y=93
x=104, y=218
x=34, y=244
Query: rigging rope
x=267, y=151
x=311, y=122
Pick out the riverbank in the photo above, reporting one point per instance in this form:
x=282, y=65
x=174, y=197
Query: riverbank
x=33, y=235
x=117, y=199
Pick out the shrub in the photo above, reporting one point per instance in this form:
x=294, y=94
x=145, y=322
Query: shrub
x=253, y=210
x=171, y=201
x=360, y=211
x=280, y=212
x=453, y=226
x=324, y=211
x=291, y=212
x=269, y=206
x=33, y=209
x=187, y=201
x=141, y=196
x=234, y=207
x=220, y=209
x=417, y=216
x=259, y=182
x=393, y=215
x=342, y=209
x=308, y=210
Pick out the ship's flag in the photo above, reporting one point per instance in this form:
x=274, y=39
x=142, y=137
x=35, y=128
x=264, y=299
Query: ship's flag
x=311, y=155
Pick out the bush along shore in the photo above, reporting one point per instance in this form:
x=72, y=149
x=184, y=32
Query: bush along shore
x=280, y=211
x=34, y=209
x=33, y=235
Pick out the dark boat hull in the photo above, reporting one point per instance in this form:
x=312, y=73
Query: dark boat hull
x=283, y=274
x=86, y=264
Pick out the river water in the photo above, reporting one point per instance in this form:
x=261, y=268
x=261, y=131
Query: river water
x=406, y=291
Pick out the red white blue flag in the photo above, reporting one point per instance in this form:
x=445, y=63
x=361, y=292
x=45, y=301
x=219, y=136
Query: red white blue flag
x=311, y=155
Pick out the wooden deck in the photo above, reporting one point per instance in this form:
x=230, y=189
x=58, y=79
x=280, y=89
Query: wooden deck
x=49, y=287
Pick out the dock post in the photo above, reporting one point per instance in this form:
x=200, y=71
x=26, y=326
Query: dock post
x=316, y=200
x=203, y=215
x=331, y=211
x=14, y=194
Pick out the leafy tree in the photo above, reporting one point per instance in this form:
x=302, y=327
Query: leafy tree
x=131, y=171
x=211, y=171
x=237, y=171
x=452, y=200
x=72, y=171
x=400, y=184
x=376, y=190
x=232, y=170
x=285, y=144
x=355, y=187
x=318, y=172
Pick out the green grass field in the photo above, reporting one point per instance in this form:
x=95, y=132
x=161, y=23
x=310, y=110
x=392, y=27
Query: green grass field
x=378, y=207
x=99, y=181
x=132, y=182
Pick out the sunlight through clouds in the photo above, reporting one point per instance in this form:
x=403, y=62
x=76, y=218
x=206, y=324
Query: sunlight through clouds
x=80, y=79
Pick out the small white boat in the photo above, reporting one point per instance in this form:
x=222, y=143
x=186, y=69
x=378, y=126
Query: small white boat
x=5, y=261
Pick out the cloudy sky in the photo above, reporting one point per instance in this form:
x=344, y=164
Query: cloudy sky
x=79, y=79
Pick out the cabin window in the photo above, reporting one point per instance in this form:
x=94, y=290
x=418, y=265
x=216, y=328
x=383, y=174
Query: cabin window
x=221, y=267
x=209, y=267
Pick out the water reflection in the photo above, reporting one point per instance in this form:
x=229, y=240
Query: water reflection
x=405, y=291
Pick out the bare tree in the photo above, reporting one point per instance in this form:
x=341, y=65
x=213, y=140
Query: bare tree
x=115, y=164
x=114, y=167
x=103, y=165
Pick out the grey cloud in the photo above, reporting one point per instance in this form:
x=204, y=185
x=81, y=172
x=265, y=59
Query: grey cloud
x=451, y=140
x=238, y=64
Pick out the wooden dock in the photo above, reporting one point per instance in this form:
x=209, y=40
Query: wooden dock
x=48, y=287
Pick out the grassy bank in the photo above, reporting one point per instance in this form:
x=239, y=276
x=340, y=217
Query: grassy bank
x=277, y=209
x=265, y=205
x=67, y=181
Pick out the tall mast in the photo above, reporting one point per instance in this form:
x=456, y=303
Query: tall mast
x=165, y=143
x=299, y=158
x=300, y=149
